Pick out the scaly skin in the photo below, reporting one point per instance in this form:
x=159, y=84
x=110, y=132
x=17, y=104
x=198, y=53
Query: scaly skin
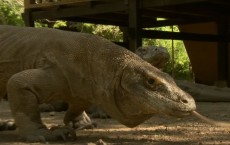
x=81, y=69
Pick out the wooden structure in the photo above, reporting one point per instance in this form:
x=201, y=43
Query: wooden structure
x=135, y=15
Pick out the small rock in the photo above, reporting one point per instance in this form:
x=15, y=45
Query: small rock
x=100, y=142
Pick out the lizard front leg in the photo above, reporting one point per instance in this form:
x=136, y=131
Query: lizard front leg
x=26, y=90
x=76, y=117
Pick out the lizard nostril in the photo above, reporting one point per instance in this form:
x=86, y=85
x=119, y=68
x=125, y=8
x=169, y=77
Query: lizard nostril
x=184, y=101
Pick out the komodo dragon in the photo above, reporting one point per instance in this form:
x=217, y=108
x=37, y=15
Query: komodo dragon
x=45, y=65
x=155, y=55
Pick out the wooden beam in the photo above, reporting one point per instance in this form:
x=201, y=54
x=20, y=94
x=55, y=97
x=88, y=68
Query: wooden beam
x=162, y=23
x=97, y=21
x=160, y=3
x=180, y=36
x=106, y=19
x=79, y=11
x=172, y=14
x=120, y=19
x=112, y=19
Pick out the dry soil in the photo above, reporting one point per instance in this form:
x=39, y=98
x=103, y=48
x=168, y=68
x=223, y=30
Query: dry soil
x=159, y=130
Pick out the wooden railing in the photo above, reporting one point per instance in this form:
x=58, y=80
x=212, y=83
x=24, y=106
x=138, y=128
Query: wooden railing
x=50, y=3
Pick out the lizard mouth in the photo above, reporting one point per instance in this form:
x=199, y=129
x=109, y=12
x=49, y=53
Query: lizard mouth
x=184, y=114
x=179, y=113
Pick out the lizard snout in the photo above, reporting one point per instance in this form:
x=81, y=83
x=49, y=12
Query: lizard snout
x=184, y=104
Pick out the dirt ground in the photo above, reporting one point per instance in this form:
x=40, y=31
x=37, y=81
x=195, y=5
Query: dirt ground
x=159, y=130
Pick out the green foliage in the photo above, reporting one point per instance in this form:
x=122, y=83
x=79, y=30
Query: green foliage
x=112, y=33
x=10, y=12
x=84, y=27
x=149, y=42
x=39, y=25
x=179, y=64
x=58, y=24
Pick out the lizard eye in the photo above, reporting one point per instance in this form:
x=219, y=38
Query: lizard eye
x=143, y=50
x=151, y=81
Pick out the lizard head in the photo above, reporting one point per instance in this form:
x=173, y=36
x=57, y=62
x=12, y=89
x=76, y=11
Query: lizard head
x=155, y=55
x=144, y=91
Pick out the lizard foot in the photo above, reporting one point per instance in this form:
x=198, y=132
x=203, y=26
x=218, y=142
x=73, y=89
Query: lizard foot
x=99, y=114
x=96, y=112
x=52, y=134
x=7, y=125
x=83, y=122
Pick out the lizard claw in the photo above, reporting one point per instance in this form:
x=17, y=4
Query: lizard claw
x=83, y=122
x=80, y=122
x=53, y=134
x=64, y=132
x=7, y=125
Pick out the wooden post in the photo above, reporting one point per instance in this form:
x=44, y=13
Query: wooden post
x=29, y=22
x=228, y=52
x=222, y=53
x=27, y=13
x=124, y=30
x=135, y=39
